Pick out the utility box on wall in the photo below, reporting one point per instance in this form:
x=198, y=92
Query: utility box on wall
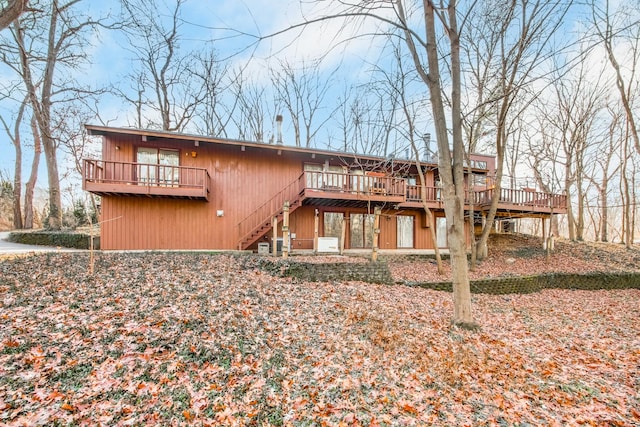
x=264, y=248
x=328, y=245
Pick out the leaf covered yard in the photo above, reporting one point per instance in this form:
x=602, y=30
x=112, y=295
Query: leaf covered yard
x=199, y=339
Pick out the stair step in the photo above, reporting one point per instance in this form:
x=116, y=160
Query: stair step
x=267, y=225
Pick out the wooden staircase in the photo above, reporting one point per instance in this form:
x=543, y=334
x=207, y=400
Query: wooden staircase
x=260, y=222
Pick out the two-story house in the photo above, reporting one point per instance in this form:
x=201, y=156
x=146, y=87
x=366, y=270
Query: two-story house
x=166, y=190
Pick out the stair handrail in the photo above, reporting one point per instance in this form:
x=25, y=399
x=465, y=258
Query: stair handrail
x=249, y=224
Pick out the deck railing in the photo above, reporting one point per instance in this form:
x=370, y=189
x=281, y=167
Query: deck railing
x=414, y=194
x=334, y=182
x=525, y=198
x=120, y=175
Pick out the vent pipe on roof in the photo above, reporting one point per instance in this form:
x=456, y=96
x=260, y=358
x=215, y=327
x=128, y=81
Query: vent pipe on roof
x=279, y=126
x=428, y=154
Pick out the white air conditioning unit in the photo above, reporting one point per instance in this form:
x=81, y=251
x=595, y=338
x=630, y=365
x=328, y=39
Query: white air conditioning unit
x=264, y=248
x=328, y=245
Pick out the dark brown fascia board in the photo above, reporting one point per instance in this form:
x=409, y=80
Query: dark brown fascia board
x=105, y=130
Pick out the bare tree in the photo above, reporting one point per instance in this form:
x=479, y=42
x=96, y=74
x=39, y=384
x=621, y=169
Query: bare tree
x=622, y=26
x=16, y=140
x=605, y=168
x=450, y=160
x=572, y=111
x=10, y=11
x=545, y=164
x=169, y=88
x=516, y=39
x=302, y=92
x=627, y=190
x=253, y=111
x=366, y=119
x=211, y=116
x=46, y=44
x=30, y=186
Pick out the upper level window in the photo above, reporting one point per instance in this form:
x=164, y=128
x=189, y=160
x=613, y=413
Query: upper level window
x=325, y=176
x=157, y=166
x=479, y=164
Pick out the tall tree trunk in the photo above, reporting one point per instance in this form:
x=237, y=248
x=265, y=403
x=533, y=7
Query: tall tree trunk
x=451, y=174
x=604, y=216
x=624, y=190
x=16, y=140
x=42, y=112
x=455, y=204
x=31, y=183
x=55, y=200
x=17, y=185
x=580, y=216
x=571, y=222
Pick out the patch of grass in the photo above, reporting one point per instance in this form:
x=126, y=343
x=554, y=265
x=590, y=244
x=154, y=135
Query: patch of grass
x=120, y=372
x=277, y=360
x=197, y=354
x=72, y=378
x=181, y=399
x=20, y=348
x=223, y=358
x=526, y=252
x=272, y=416
x=578, y=388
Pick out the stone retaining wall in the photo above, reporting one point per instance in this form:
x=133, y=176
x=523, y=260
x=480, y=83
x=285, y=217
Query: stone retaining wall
x=378, y=272
x=529, y=284
x=367, y=271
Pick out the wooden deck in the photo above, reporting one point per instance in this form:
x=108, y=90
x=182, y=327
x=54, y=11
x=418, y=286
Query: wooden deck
x=512, y=203
x=106, y=178
x=337, y=189
x=359, y=190
x=523, y=201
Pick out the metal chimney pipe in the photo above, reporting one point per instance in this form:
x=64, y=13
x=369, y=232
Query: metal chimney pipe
x=427, y=146
x=279, y=126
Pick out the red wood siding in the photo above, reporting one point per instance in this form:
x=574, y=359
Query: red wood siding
x=240, y=182
x=242, y=178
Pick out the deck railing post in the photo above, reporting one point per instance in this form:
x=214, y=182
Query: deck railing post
x=285, y=230
x=376, y=233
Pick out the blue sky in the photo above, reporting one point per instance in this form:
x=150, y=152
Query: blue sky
x=231, y=27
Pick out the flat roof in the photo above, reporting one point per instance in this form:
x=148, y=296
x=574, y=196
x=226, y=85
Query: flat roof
x=105, y=130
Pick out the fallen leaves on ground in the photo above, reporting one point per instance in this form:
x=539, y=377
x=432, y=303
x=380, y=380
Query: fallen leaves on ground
x=523, y=255
x=193, y=339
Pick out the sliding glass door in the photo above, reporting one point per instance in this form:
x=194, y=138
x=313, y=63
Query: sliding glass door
x=361, y=230
x=157, y=166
